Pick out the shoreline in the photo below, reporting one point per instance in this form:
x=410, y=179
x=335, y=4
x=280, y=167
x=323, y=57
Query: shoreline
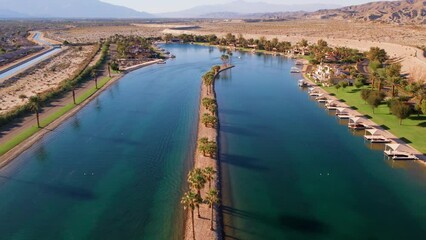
x=386, y=133
x=411, y=57
x=9, y=156
x=202, y=225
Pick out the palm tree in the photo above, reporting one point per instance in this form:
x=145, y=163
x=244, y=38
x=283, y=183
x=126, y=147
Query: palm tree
x=224, y=59
x=95, y=77
x=191, y=200
x=209, y=174
x=212, y=198
x=34, y=105
x=197, y=182
x=109, y=69
x=73, y=95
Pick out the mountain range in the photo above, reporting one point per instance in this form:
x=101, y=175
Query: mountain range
x=241, y=8
x=66, y=9
x=403, y=11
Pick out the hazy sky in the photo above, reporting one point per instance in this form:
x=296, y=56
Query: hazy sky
x=158, y=6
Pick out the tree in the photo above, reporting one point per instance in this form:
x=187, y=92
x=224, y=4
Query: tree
x=191, y=200
x=216, y=69
x=374, y=99
x=337, y=86
x=393, y=73
x=34, y=106
x=168, y=37
x=212, y=198
x=343, y=84
x=109, y=69
x=377, y=54
x=209, y=120
x=197, y=182
x=95, y=77
x=303, y=43
x=359, y=83
x=114, y=66
x=400, y=110
x=365, y=93
x=224, y=59
x=209, y=173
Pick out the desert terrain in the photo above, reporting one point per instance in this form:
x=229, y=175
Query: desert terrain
x=48, y=75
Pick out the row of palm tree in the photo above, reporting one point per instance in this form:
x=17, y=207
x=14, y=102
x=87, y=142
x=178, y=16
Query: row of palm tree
x=191, y=200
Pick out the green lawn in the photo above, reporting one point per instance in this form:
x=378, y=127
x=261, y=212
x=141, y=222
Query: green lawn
x=49, y=119
x=412, y=130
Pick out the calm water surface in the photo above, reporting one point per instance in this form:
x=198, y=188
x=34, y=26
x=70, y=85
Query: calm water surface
x=116, y=170
x=291, y=171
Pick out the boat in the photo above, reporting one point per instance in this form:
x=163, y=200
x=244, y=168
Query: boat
x=302, y=83
x=395, y=152
x=172, y=56
x=299, y=63
x=295, y=70
x=161, y=62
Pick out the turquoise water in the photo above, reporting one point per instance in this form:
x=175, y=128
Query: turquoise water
x=117, y=169
x=291, y=171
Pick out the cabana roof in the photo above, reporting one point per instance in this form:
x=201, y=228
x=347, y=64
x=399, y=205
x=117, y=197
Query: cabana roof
x=373, y=131
x=355, y=119
x=395, y=147
x=341, y=110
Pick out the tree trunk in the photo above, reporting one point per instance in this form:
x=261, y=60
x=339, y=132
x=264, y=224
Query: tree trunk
x=73, y=96
x=393, y=90
x=38, y=119
x=211, y=220
x=372, y=84
x=198, y=211
x=193, y=227
x=109, y=70
x=400, y=121
x=210, y=184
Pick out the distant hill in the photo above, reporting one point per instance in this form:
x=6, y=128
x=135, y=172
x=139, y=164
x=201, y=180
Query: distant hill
x=66, y=9
x=241, y=7
x=5, y=13
x=406, y=11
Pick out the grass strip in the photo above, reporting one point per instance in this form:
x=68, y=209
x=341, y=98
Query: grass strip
x=412, y=130
x=30, y=131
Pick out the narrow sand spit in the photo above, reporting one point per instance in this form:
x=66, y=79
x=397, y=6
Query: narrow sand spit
x=202, y=225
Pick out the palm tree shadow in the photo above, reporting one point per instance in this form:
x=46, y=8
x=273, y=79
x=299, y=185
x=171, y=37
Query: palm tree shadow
x=303, y=225
x=242, y=161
